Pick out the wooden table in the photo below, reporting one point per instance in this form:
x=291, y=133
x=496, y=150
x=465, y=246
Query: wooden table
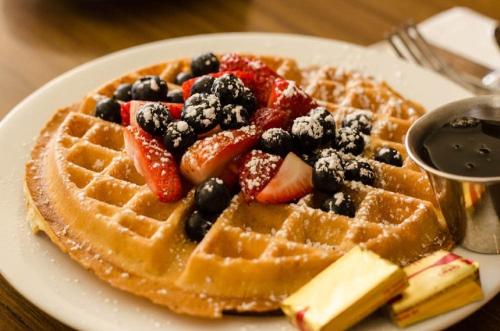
x=41, y=39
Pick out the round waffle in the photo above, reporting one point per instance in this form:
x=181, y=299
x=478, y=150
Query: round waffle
x=84, y=192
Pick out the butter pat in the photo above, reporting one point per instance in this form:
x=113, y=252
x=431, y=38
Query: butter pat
x=345, y=292
x=438, y=283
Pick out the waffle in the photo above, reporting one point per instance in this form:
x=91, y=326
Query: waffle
x=84, y=192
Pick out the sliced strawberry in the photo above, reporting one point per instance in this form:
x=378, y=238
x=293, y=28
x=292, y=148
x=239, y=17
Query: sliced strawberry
x=257, y=170
x=266, y=118
x=129, y=109
x=287, y=95
x=208, y=156
x=154, y=162
x=125, y=113
x=247, y=78
x=292, y=181
x=230, y=174
x=264, y=76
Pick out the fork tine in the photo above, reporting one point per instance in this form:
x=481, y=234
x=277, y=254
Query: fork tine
x=425, y=48
x=407, y=42
x=390, y=38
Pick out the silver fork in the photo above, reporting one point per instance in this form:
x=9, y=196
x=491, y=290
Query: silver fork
x=410, y=45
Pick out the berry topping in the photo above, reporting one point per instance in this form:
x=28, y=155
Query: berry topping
x=328, y=174
x=287, y=95
x=153, y=117
x=359, y=171
x=150, y=88
x=109, y=110
x=292, y=181
x=125, y=113
x=341, y=203
x=204, y=64
x=200, y=112
x=197, y=225
x=182, y=76
x=175, y=109
x=123, y=92
x=263, y=75
x=175, y=96
x=327, y=121
x=233, y=117
x=360, y=120
x=276, y=141
x=390, y=156
x=349, y=140
x=464, y=122
x=267, y=118
x=201, y=85
x=212, y=196
x=178, y=137
x=208, y=157
x=248, y=100
x=155, y=163
x=228, y=88
x=307, y=133
x=257, y=170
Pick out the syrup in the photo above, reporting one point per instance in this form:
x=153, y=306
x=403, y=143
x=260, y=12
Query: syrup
x=465, y=146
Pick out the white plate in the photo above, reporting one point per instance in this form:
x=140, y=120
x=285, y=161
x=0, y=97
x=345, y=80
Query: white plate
x=62, y=288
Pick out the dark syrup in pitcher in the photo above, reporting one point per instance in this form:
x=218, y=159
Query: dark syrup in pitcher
x=465, y=146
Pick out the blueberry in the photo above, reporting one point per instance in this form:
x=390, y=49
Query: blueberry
x=233, y=117
x=202, y=85
x=150, y=88
x=276, y=141
x=248, y=100
x=341, y=203
x=198, y=225
x=182, y=76
x=123, y=92
x=178, y=137
x=359, y=171
x=109, y=110
x=203, y=64
x=390, y=156
x=359, y=120
x=175, y=96
x=328, y=174
x=307, y=133
x=212, y=196
x=327, y=121
x=228, y=88
x=201, y=112
x=153, y=117
x=350, y=140
x=464, y=122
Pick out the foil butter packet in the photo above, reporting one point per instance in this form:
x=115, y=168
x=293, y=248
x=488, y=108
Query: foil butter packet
x=438, y=283
x=345, y=292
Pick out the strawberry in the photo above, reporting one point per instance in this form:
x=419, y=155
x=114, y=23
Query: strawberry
x=264, y=76
x=125, y=113
x=287, y=95
x=208, y=156
x=129, y=109
x=257, y=170
x=292, y=181
x=247, y=78
x=154, y=162
x=267, y=118
x=230, y=173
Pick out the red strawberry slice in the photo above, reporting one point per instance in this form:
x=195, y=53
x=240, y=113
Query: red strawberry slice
x=287, y=95
x=230, y=174
x=292, y=181
x=256, y=172
x=129, y=109
x=154, y=162
x=266, y=118
x=247, y=78
x=264, y=76
x=208, y=156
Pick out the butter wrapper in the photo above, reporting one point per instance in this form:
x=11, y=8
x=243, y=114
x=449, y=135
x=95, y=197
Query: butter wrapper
x=345, y=292
x=438, y=283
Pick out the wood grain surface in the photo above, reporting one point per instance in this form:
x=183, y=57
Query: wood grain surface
x=40, y=39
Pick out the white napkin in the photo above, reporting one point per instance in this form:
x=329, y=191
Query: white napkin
x=462, y=31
